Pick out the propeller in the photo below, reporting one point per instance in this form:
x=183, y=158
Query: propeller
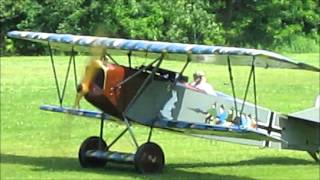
x=90, y=73
x=96, y=62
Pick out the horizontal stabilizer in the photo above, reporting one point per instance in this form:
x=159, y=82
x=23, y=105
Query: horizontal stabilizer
x=311, y=114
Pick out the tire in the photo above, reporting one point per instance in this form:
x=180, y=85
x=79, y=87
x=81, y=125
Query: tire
x=91, y=143
x=149, y=158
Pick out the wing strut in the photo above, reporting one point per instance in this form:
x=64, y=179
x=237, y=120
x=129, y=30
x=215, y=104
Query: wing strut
x=55, y=74
x=73, y=54
x=184, y=68
x=143, y=86
x=129, y=58
x=232, y=85
x=252, y=74
x=254, y=86
x=247, y=89
x=137, y=73
x=110, y=57
x=71, y=60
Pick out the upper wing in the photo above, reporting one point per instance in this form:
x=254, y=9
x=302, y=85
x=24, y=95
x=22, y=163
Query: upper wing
x=177, y=51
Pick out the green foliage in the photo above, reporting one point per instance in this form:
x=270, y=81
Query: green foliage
x=191, y=22
x=276, y=25
x=300, y=44
x=269, y=24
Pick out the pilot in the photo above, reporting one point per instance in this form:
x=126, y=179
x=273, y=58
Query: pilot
x=200, y=82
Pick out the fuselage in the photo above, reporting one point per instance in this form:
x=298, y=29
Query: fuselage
x=164, y=103
x=105, y=92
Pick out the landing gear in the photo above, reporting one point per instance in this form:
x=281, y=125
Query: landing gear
x=149, y=158
x=94, y=152
x=92, y=143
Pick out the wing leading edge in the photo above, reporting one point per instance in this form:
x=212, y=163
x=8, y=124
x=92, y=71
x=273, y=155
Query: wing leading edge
x=176, y=51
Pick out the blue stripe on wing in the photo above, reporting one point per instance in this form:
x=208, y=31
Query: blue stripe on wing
x=78, y=112
x=67, y=39
x=202, y=49
x=264, y=58
x=129, y=45
x=179, y=48
x=54, y=38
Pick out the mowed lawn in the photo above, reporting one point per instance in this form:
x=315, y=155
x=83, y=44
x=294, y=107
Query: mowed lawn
x=44, y=145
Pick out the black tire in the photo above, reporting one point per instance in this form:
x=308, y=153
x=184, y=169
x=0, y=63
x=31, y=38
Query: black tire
x=91, y=143
x=149, y=158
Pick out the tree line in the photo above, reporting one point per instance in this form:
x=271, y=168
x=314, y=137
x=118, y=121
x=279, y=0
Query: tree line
x=279, y=25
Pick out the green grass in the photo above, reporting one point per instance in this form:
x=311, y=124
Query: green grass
x=44, y=145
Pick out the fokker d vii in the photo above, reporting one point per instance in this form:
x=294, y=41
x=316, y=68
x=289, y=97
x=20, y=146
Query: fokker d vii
x=160, y=98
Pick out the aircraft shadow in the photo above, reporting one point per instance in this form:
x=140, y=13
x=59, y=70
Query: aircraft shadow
x=71, y=164
x=250, y=162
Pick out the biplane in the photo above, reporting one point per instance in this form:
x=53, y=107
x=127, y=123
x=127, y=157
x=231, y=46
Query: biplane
x=160, y=98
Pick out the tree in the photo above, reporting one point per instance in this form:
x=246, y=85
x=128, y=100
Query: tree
x=276, y=24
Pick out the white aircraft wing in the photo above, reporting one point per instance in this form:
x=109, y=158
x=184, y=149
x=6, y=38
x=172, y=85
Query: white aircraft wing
x=176, y=51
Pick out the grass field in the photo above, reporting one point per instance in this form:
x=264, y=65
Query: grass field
x=44, y=145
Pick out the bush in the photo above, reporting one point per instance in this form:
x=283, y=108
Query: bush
x=299, y=44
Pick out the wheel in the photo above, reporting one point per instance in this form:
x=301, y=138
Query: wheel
x=91, y=143
x=149, y=158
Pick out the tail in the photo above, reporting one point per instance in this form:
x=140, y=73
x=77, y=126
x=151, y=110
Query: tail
x=302, y=131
